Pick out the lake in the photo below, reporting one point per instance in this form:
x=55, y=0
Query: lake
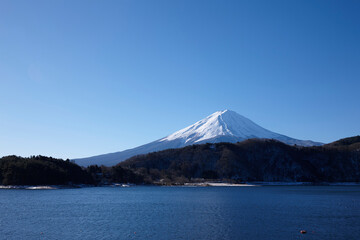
x=271, y=212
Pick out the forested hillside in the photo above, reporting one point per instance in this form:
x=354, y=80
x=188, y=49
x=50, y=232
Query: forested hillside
x=252, y=160
x=40, y=170
x=246, y=161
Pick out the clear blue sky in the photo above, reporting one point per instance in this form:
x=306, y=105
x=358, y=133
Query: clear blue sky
x=81, y=78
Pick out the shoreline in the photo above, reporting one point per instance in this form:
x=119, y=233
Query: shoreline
x=43, y=187
x=218, y=184
x=264, y=184
x=28, y=187
x=190, y=184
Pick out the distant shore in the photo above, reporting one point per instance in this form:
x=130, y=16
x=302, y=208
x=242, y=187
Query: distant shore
x=260, y=184
x=43, y=187
x=219, y=184
x=190, y=184
x=28, y=187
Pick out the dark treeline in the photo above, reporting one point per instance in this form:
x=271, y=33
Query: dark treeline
x=106, y=175
x=252, y=160
x=40, y=170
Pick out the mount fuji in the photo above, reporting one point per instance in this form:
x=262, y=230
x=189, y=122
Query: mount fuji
x=221, y=126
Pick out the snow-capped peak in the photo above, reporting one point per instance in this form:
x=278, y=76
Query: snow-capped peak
x=220, y=123
x=221, y=126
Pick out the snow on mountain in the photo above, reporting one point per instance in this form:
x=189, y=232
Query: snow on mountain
x=221, y=126
x=221, y=123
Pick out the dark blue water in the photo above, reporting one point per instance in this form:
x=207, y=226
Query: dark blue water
x=181, y=213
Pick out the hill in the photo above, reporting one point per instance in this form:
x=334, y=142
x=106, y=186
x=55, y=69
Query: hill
x=40, y=170
x=250, y=160
x=351, y=143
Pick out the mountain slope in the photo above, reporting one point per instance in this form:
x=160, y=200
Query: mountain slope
x=221, y=126
x=250, y=160
x=228, y=126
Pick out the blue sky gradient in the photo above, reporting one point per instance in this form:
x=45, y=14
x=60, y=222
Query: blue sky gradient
x=81, y=78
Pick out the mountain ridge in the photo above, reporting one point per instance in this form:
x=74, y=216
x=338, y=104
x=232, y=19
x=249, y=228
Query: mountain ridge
x=252, y=160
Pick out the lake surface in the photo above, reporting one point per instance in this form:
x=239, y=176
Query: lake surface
x=272, y=212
